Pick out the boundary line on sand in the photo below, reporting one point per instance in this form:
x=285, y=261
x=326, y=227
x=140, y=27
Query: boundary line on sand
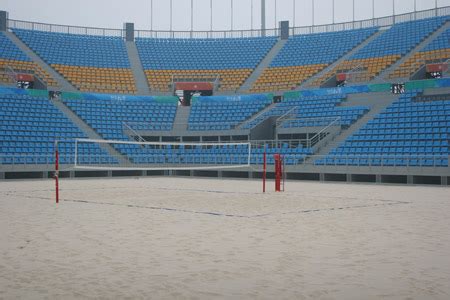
x=382, y=202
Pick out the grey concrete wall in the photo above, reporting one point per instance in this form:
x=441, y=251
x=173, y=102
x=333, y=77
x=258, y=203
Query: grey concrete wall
x=3, y=20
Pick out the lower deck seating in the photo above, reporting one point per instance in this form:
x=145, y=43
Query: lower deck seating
x=224, y=115
x=407, y=133
x=312, y=112
x=28, y=131
x=111, y=119
x=108, y=117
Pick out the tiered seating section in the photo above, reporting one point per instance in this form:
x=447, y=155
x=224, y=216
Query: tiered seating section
x=91, y=63
x=438, y=51
x=29, y=128
x=305, y=55
x=112, y=118
x=384, y=50
x=224, y=115
x=407, y=133
x=100, y=63
x=232, y=59
x=411, y=132
x=108, y=117
x=312, y=111
x=11, y=56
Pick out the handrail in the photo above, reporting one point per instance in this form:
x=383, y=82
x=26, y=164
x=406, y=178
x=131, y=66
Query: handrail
x=283, y=117
x=246, y=33
x=140, y=138
x=25, y=70
x=11, y=73
x=317, y=135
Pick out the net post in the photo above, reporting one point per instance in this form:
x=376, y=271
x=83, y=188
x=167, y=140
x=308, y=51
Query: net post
x=278, y=175
x=56, y=175
x=249, y=154
x=264, y=169
x=76, y=153
x=283, y=170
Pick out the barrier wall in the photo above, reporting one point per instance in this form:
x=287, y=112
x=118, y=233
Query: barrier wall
x=371, y=88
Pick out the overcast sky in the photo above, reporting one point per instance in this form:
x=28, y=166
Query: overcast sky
x=113, y=13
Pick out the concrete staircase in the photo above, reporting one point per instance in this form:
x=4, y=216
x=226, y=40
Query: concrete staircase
x=384, y=75
x=181, y=118
x=136, y=66
x=262, y=66
x=86, y=129
x=307, y=83
x=381, y=100
x=63, y=84
x=267, y=108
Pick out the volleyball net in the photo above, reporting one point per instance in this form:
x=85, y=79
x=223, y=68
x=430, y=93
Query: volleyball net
x=91, y=154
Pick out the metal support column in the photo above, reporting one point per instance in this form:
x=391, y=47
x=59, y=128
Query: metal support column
x=332, y=8
x=192, y=15
x=377, y=178
x=275, y=14
x=251, y=15
x=151, y=15
x=232, y=15
x=263, y=17
x=409, y=179
x=171, y=15
x=353, y=10
x=348, y=177
x=293, y=14
x=321, y=177
x=373, y=9
x=393, y=10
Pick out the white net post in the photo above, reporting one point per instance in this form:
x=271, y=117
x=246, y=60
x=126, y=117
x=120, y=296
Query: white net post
x=130, y=155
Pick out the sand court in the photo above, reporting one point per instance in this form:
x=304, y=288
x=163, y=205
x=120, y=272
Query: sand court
x=211, y=238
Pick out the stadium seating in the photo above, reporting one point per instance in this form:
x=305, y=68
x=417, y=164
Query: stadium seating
x=12, y=57
x=214, y=115
x=305, y=55
x=232, y=59
x=91, y=63
x=411, y=132
x=131, y=112
x=111, y=118
x=438, y=51
x=29, y=127
x=407, y=133
x=384, y=50
x=320, y=110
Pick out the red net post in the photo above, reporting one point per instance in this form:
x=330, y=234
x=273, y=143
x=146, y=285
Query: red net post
x=264, y=170
x=283, y=170
x=56, y=176
x=278, y=172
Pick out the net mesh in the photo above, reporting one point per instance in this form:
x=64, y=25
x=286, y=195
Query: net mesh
x=131, y=155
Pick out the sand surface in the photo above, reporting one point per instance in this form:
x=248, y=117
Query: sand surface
x=176, y=238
